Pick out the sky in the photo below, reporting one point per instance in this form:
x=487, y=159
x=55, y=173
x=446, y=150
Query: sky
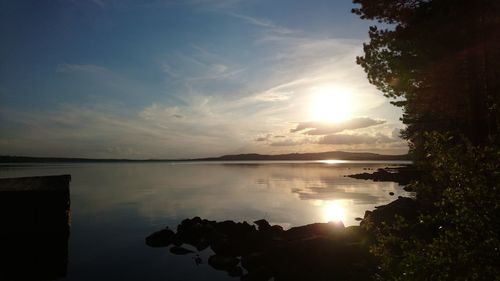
x=185, y=79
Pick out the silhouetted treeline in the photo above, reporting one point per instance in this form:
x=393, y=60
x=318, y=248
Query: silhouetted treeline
x=440, y=61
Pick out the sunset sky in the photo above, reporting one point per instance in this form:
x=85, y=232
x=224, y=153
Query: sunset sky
x=181, y=79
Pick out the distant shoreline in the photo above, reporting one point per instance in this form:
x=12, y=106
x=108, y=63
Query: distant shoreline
x=332, y=155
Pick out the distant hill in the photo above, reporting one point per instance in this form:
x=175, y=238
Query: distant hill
x=337, y=155
x=28, y=159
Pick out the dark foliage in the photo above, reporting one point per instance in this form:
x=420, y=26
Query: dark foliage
x=440, y=61
x=457, y=233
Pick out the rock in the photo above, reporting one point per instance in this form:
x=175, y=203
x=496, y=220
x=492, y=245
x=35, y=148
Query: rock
x=195, y=232
x=226, y=246
x=177, y=240
x=221, y=262
x=202, y=245
x=409, y=188
x=276, y=228
x=198, y=260
x=162, y=238
x=262, y=275
x=257, y=240
x=262, y=224
x=403, y=206
x=357, y=234
x=231, y=228
x=254, y=261
x=315, y=229
x=177, y=250
x=220, y=246
x=318, y=258
x=235, y=271
x=259, y=266
x=336, y=224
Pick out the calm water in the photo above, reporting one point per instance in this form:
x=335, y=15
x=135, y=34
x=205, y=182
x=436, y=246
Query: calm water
x=116, y=205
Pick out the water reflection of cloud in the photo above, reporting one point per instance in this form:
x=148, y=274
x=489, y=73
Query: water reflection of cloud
x=338, y=193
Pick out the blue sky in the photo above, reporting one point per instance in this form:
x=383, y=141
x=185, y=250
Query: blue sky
x=193, y=78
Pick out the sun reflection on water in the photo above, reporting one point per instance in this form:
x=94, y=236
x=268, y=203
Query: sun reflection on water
x=334, y=211
x=333, y=161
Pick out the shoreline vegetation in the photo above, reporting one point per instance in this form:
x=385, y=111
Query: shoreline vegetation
x=330, y=155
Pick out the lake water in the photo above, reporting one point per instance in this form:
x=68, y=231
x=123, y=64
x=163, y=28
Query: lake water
x=116, y=205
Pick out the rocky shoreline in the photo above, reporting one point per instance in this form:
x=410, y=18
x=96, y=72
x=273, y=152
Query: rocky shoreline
x=402, y=175
x=260, y=251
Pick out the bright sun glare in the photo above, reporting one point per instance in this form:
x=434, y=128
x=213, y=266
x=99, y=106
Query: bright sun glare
x=331, y=104
x=333, y=211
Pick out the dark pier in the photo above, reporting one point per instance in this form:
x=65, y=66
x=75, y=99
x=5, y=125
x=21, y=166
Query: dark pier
x=35, y=226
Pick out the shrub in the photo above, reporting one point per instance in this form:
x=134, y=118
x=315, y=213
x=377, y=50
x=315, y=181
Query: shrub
x=457, y=235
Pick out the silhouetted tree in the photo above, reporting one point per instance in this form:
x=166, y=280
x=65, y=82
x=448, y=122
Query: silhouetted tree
x=440, y=61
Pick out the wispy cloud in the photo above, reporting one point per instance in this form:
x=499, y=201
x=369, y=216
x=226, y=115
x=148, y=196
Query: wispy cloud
x=325, y=128
x=199, y=65
x=281, y=91
x=264, y=23
x=90, y=68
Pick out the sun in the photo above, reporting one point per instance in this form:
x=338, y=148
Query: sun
x=331, y=104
